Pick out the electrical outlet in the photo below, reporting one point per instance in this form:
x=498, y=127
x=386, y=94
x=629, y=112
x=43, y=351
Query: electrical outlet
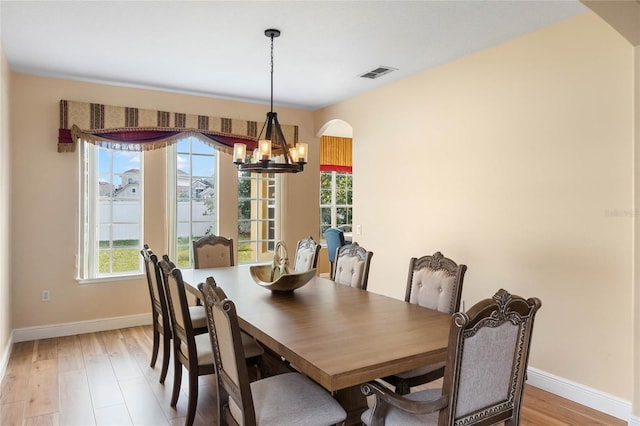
x=359, y=229
x=46, y=296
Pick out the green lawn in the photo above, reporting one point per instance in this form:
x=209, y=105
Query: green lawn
x=126, y=255
x=124, y=260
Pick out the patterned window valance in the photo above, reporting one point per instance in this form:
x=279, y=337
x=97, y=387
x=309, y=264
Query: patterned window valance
x=135, y=129
x=335, y=154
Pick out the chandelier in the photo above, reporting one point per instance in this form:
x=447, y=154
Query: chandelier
x=282, y=159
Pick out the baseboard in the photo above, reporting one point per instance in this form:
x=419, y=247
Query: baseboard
x=81, y=327
x=6, y=354
x=592, y=398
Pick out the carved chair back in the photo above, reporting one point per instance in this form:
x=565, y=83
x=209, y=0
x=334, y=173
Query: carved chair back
x=235, y=401
x=307, y=253
x=160, y=317
x=487, y=360
x=435, y=282
x=156, y=291
x=352, y=266
x=183, y=334
x=213, y=251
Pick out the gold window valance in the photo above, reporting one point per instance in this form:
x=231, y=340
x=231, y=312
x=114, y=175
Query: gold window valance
x=335, y=154
x=137, y=129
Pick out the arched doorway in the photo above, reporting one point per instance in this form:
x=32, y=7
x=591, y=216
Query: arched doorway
x=336, y=182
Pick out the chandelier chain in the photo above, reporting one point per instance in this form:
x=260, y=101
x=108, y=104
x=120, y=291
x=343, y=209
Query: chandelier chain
x=271, y=72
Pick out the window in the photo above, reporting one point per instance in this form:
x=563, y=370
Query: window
x=336, y=209
x=111, y=213
x=192, y=196
x=257, y=217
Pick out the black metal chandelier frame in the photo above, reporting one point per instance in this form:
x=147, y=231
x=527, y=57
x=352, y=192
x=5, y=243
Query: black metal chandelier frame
x=265, y=164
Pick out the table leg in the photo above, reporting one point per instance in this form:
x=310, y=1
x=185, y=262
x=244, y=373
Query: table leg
x=354, y=402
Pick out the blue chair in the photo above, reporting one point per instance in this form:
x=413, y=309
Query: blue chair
x=335, y=240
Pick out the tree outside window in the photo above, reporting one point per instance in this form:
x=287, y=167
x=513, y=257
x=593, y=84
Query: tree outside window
x=196, y=213
x=336, y=203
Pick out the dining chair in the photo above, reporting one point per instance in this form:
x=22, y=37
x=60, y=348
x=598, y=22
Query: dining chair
x=335, y=239
x=352, y=266
x=252, y=349
x=434, y=282
x=288, y=399
x=161, y=320
x=159, y=314
x=307, y=252
x=213, y=251
x=193, y=351
x=487, y=361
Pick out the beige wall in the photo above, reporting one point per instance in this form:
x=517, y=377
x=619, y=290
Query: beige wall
x=516, y=161
x=5, y=182
x=44, y=202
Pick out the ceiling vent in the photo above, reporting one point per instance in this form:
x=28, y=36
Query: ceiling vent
x=378, y=72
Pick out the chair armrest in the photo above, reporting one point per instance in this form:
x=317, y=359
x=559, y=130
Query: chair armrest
x=385, y=396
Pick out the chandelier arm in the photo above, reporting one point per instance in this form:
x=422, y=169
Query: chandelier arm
x=269, y=124
x=282, y=141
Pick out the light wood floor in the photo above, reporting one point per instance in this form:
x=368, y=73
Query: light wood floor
x=105, y=379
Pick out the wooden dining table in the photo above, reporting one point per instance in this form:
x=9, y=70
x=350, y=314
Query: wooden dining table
x=337, y=335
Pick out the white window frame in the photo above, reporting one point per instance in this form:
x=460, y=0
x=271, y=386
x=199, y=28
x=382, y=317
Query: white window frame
x=172, y=201
x=273, y=223
x=88, y=258
x=334, y=206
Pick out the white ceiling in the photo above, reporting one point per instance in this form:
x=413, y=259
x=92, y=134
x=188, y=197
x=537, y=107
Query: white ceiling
x=218, y=48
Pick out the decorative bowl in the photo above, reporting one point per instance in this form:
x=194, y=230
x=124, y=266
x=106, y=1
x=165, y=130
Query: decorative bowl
x=261, y=274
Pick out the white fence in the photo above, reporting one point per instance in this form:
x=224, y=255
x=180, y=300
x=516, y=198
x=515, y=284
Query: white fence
x=127, y=215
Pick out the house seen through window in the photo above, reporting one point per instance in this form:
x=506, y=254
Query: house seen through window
x=111, y=227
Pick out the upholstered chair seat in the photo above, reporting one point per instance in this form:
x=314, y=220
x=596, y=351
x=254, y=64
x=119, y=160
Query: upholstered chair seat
x=198, y=317
x=273, y=396
x=205, y=352
x=250, y=346
x=203, y=349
